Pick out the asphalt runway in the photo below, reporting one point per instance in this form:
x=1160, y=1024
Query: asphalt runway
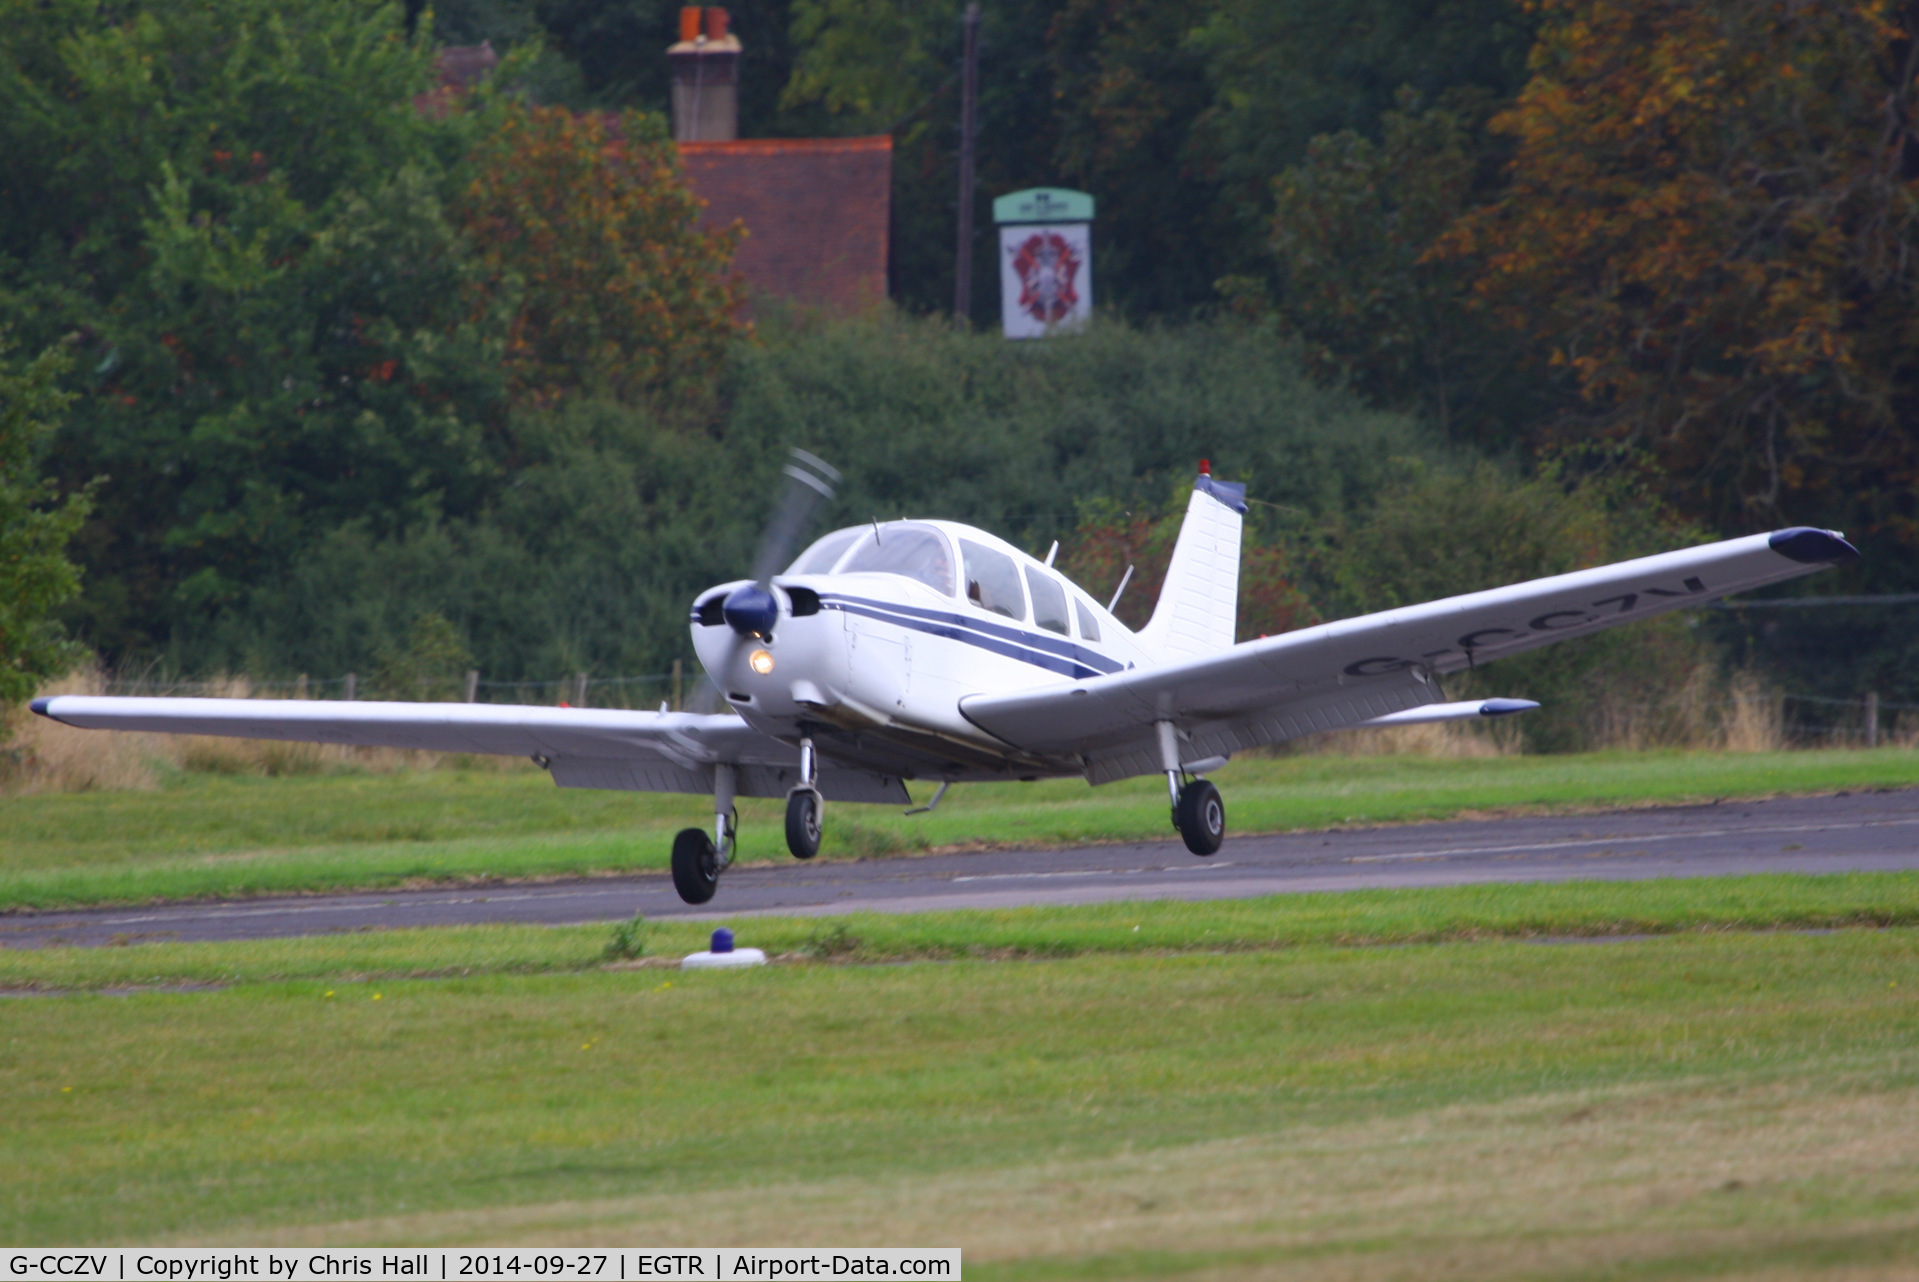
x=1877, y=831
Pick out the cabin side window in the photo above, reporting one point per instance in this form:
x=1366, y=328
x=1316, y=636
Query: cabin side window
x=992, y=581
x=1088, y=625
x=916, y=551
x=1049, y=602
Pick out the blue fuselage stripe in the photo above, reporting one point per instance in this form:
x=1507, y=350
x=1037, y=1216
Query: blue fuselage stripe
x=1059, y=645
x=1060, y=656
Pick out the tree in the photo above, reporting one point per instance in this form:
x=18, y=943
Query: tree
x=36, y=524
x=1710, y=225
x=1354, y=230
x=1444, y=532
x=1109, y=539
x=302, y=304
x=432, y=665
x=1129, y=90
x=1284, y=72
x=236, y=208
x=586, y=230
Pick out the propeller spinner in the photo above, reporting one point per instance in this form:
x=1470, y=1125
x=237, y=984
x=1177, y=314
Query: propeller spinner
x=752, y=611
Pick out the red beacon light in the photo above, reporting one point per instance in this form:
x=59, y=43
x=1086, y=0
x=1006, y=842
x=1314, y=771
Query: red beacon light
x=1206, y=467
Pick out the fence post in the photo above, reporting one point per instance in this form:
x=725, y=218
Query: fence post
x=677, y=673
x=352, y=687
x=472, y=685
x=579, y=689
x=1872, y=718
x=300, y=687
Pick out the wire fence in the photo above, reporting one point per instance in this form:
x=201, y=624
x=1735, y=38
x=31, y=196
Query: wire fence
x=1806, y=719
x=578, y=690
x=1816, y=602
x=1866, y=721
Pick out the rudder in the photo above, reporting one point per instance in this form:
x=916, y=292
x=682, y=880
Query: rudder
x=1199, y=602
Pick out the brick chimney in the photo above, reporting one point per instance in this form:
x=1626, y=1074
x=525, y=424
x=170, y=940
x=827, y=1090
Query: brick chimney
x=706, y=75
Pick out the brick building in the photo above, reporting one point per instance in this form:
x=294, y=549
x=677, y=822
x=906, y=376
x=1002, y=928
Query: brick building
x=816, y=212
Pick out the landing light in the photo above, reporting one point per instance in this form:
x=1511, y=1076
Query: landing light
x=761, y=661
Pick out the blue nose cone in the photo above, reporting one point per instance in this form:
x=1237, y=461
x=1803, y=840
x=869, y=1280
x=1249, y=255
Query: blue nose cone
x=751, y=611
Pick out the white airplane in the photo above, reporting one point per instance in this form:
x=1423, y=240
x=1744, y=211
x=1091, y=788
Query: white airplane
x=931, y=650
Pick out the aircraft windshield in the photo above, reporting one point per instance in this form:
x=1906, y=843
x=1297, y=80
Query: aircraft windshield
x=917, y=551
x=824, y=554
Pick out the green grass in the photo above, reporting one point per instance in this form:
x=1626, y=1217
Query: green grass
x=1669, y=1107
x=234, y=835
x=1773, y=901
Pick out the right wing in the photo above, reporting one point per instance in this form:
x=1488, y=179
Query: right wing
x=1339, y=675
x=582, y=747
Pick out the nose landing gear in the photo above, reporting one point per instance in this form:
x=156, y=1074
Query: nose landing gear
x=699, y=857
x=804, y=806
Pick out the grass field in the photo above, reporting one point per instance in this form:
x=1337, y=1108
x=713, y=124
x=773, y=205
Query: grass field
x=203, y=835
x=1568, y=910
x=1222, y=1094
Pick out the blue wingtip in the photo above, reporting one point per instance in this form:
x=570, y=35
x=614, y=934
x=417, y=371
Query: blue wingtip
x=1505, y=707
x=40, y=705
x=1813, y=547
x=1231, y=493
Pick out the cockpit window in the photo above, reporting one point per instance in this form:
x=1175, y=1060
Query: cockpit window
x=1049, y=601
x=917, y=551
x=823, y=555
x=992, y=581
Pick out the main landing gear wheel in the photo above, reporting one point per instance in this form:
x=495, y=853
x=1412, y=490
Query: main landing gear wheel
x=696, y=865
x=803, y=823
x=1201, y=817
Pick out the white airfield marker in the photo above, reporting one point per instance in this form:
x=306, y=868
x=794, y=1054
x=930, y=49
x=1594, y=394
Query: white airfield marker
x=723, y=955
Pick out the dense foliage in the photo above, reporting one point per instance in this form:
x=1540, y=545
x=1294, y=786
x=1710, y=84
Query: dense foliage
x=1709, y=222
x=299, y=304
x=618, y=517
x=360, y=386
x=36, y=523
x=588, y=234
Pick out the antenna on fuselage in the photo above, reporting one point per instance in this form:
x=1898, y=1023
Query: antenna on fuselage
x=1124, y=579
x=1051, y=553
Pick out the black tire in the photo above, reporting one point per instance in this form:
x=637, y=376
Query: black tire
x=1201, y=817
x=696, y=867
x=803, y=823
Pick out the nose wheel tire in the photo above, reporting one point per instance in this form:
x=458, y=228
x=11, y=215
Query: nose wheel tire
x=696, y=865
x=1201, y=817
x=803, y=823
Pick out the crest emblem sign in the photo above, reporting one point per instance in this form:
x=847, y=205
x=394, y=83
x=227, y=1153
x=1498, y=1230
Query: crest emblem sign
x=1045, y=261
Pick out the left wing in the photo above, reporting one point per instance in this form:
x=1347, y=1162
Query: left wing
x=582, y=747
x=1341, y=674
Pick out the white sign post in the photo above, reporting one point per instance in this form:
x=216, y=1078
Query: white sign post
x=1046, y=261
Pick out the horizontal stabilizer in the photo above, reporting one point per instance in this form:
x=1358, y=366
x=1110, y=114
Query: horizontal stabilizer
x=1466, y=711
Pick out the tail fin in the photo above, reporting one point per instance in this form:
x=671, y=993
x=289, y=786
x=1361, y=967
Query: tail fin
x=1199, y=602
